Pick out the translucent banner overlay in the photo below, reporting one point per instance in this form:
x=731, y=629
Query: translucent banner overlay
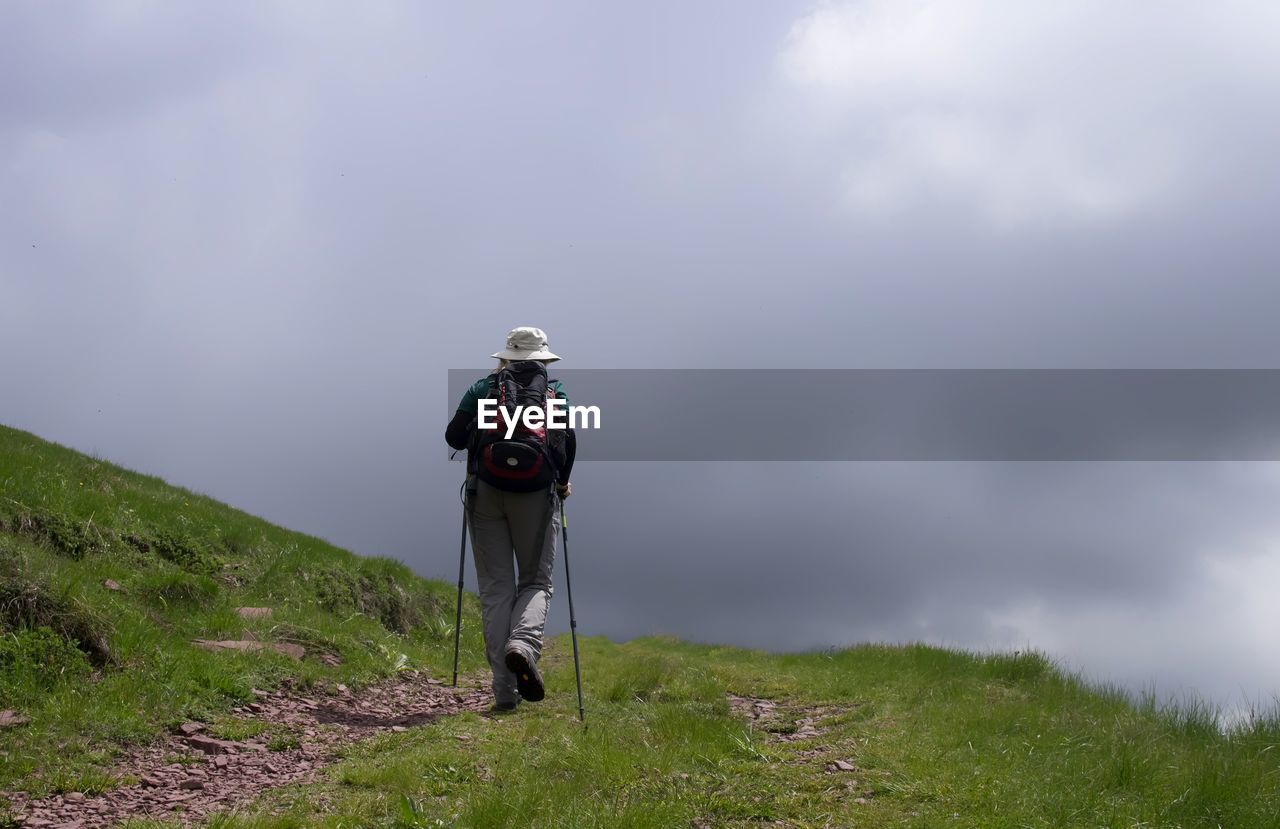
x=922, y=415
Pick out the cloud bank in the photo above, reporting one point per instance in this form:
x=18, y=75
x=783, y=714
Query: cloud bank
x=1027, y=114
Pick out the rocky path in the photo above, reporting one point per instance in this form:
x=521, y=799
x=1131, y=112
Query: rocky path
x=787, y=723
x=807, y=726
x=191, y=774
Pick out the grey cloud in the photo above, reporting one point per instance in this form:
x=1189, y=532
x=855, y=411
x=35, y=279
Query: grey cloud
x=86, y=66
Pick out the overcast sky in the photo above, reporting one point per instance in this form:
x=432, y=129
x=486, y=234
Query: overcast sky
x=242, y=244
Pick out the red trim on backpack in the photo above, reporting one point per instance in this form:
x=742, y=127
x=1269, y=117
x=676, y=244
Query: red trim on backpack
x=507, y=472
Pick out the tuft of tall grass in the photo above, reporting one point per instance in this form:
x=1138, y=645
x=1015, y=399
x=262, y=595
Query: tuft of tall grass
x=175, y=589
x=28, y=601
x=1016, y=668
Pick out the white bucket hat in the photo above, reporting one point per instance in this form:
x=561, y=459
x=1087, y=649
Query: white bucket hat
x=525, y=343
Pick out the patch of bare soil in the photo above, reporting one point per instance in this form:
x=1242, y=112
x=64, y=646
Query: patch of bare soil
x=190, y=774
x=789, y=722
x=785, y=722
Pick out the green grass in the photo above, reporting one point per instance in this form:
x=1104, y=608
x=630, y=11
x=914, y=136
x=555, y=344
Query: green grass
x=97, y=670
x=936, y=737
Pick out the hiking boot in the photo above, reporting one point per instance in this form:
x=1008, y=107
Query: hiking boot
x=502, y=708
x=528, y=680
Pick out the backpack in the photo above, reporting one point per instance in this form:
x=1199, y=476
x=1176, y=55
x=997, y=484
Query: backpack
x=531, y=458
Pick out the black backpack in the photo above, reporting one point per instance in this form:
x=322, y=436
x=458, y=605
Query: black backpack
x=531, y=458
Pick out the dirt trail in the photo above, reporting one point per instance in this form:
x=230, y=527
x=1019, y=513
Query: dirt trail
x=809, y=727
x=218, y=775
x=785, y=722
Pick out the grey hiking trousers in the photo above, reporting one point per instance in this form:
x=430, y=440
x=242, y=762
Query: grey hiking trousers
x=513, y=541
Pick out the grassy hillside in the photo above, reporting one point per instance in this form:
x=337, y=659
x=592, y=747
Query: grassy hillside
x=679, y=735
x=95, y=668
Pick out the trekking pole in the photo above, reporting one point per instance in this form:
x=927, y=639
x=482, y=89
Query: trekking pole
x=462, y=562
x=573, y=620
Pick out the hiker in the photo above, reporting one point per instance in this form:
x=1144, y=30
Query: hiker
x=512, y=494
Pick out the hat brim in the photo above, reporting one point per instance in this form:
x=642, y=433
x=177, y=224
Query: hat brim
x=514, y=355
